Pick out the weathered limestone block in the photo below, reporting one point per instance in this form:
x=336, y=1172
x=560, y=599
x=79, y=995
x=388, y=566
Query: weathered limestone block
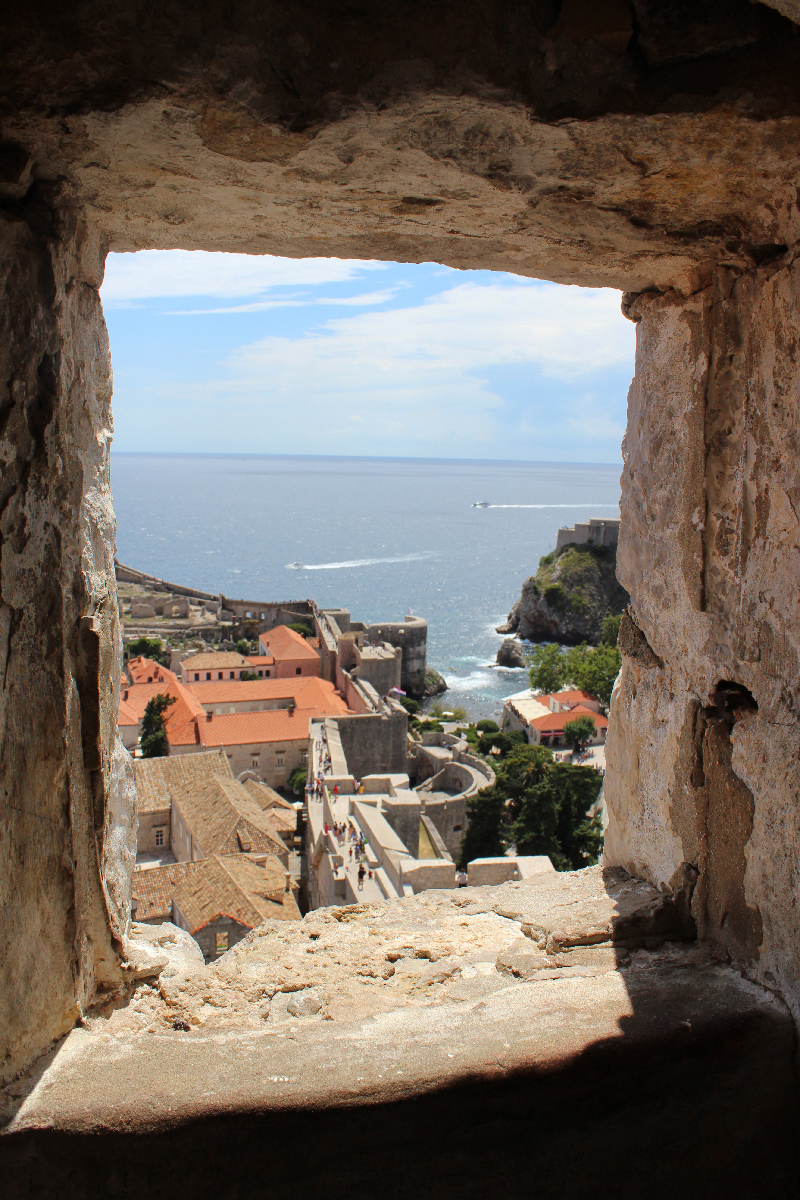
x=67, y=835
x=710, y=554
x=452, y=1024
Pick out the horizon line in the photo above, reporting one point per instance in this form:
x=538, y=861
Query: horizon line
x=361, y=458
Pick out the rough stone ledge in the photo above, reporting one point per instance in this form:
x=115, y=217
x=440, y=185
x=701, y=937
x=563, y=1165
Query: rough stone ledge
x=425, y=1023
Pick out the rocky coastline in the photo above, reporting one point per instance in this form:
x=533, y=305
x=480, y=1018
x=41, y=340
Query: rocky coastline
x=566, y=601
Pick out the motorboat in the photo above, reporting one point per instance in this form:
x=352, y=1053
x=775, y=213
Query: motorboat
x=481, y=504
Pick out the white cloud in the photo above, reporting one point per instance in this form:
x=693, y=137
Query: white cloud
x=153, y=273
x=365, y=299
x=421, y=375
x=565, y=331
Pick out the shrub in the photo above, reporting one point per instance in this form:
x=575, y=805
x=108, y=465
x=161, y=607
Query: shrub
x=495, y=741
x=411, y=706
x=554, y=595
x=610, y=634
x=430, y=726
x=300, y=627
x=487, y=726
x=154, y=741
x=297, y=780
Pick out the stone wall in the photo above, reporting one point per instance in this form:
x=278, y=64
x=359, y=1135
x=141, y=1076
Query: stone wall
x=703, y=772
x=374, y=743
x=68, y=827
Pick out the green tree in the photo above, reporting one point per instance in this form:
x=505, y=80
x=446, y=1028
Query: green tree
x=520, y=770
x=243, y=646
x=297, y=780
x=487, y=726
x=594, y=670
x=152, y=648
x=503, y=742
x=154, y=742
x=579, y=731
x=411, y=706
x=548, y=671
x=610, y=632
x=553, y=817
x=300, y=627
x=484, y=837
x=245, y=675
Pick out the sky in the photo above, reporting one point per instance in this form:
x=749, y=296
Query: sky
x=232, y=353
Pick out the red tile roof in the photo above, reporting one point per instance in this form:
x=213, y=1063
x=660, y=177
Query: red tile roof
x=286, y=645
x=145, y=670
x=276, y=725
x=575, y=696
x=179, y=718
x=555, y=722
x=126, y=715
x=307, y=691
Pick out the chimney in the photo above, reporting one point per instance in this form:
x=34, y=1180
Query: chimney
x=288, y=886
x=209, y=715
x=291, y=710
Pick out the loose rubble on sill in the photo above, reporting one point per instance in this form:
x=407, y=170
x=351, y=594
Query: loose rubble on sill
x=349, y=963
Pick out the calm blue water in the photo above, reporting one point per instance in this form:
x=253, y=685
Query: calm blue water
x=377, y=536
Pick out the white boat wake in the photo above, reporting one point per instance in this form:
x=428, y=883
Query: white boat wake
x=361, y=562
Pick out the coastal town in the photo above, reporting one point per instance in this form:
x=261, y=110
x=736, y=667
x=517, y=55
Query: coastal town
x=283, y=764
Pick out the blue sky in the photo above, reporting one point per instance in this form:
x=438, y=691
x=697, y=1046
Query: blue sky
x=232, y=353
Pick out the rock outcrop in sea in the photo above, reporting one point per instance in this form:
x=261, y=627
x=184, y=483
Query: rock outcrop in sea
x=510, y=654
x=568, y=598
x=435, y=684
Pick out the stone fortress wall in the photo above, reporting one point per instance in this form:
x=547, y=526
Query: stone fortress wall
x=600, y=531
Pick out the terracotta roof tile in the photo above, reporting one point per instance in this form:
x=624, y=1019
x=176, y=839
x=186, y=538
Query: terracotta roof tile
x=223, y=817
x=232, y=885
x=266, y=797
x=157, y=777
x=556, y=721
x=126, y=715
x=215, y=658
x=179, y=718
x=254, y=728
x=307, y=691
x=574, y=696
x=286, y=645
x=145, y=670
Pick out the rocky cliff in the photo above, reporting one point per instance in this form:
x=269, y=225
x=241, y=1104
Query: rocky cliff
x=569, y=597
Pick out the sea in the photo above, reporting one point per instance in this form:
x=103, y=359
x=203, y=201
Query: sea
x=381, y=537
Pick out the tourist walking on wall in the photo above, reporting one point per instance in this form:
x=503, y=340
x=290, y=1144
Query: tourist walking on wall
x=361, y=874
x=461, y=878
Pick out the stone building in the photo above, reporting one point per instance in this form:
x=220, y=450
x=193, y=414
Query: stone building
x=542, y=717
x=600, y=531
x=218, y=900
x=199, y=809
